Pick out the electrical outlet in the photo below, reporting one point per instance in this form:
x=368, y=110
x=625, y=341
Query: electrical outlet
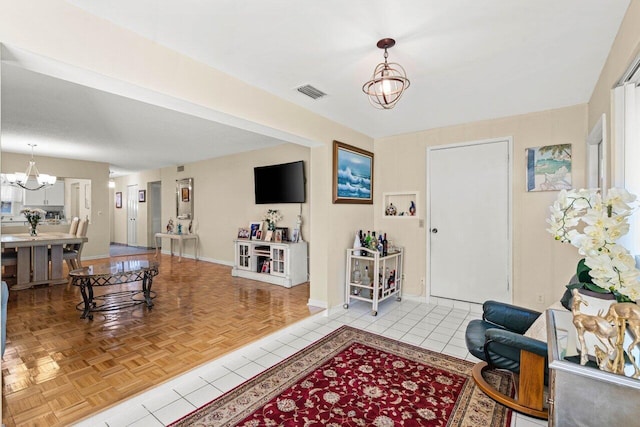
x=540, y=298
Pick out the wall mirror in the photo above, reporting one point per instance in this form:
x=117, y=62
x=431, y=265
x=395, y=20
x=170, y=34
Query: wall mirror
x=184, y=198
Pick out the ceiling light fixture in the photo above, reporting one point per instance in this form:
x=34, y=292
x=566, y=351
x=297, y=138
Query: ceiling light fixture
x=23, y=180
x=389, y=80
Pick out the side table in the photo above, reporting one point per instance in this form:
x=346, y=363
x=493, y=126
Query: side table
x=180, y=238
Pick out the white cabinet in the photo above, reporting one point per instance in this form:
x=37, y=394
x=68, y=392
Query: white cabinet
x=50, y=196
x=373, y=278
x=282, y=263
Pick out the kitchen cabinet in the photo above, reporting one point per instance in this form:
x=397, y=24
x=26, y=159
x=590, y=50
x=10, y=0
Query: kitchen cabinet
x=50, y=196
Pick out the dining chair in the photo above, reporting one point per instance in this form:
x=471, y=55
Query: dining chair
x=72, y=253
x=73, y=228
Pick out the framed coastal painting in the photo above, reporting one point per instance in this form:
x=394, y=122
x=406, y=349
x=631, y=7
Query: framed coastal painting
x=352, y=174
x=549, y=168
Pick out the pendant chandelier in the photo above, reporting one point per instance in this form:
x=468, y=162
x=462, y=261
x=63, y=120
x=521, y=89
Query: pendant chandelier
x=389, y=80
x=32, y=179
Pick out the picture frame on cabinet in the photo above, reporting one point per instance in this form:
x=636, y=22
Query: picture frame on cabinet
x=295, y=235
x=244, y=233
x=254, y=227
x=268, y=236
x=278, y=236
x=284, y=233
x=119, y=200
x=259, y=235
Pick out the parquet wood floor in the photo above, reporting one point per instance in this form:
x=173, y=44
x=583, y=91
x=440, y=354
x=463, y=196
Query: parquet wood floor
x=58, y=368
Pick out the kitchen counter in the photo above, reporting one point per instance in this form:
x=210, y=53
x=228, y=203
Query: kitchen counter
x=12, y=227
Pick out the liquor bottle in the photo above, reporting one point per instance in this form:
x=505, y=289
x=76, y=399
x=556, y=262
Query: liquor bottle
x=373, y=243
x=387, y=276
x=366, y=281
x=361, y=235
x=356, y=275
x=385, y=246
x=367, y=240
x=380, y=244
x=357, y=245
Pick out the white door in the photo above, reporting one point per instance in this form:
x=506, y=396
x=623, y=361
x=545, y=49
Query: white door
x=132, y=215
x=468, y=244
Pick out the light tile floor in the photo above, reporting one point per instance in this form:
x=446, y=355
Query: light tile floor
x=435, y=327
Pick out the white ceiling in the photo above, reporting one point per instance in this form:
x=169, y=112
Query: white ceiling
x=467, y=60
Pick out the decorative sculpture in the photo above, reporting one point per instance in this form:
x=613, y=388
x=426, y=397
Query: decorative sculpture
x=598, y=326
x=170, y=226
x=626, y=315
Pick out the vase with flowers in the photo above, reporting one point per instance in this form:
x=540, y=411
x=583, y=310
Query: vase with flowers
x=272, y=217
x=34, y=216
x=594, y=224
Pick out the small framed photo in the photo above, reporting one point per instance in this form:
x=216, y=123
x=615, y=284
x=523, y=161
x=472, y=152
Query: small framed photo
x=268, y=236
x=244, y=233
x=259, y=235
x=284, y=232
x=295, y=236
x=184, y=194
x=142, y=196
x=278, y=236
x=119, y=199
x=253, y=229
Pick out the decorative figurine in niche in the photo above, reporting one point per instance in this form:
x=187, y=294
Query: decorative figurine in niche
x=170, y=226
x=179, y=228
x=412, y=209
x=391, y=210
x=191, y=227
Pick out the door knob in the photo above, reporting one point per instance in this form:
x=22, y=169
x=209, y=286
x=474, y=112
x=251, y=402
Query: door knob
x=434, y=230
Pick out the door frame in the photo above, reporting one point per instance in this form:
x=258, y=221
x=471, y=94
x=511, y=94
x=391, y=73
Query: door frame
x=509, y=141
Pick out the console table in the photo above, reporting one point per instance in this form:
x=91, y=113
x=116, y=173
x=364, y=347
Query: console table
x=585, y=395
x=180, y=238
x=115, y=273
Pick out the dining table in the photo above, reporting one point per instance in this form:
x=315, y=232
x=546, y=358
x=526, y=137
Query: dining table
x=35, y=254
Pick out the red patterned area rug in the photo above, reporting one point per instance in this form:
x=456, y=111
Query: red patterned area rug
x=356, y=378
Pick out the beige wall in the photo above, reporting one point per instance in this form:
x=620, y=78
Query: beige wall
x=540, y=264
x=98, y=173
x=224, y=197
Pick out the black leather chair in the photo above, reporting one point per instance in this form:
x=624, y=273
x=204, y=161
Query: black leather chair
x=498, y=340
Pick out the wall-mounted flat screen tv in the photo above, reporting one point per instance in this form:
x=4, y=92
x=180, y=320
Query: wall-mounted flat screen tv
x=283, y=183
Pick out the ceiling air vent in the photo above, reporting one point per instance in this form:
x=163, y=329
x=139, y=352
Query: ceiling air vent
x=180, y=168
x=311, y=91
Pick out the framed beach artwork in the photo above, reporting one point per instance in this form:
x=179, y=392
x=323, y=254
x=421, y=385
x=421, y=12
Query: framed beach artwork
x=352, y=174
x=549, y=168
